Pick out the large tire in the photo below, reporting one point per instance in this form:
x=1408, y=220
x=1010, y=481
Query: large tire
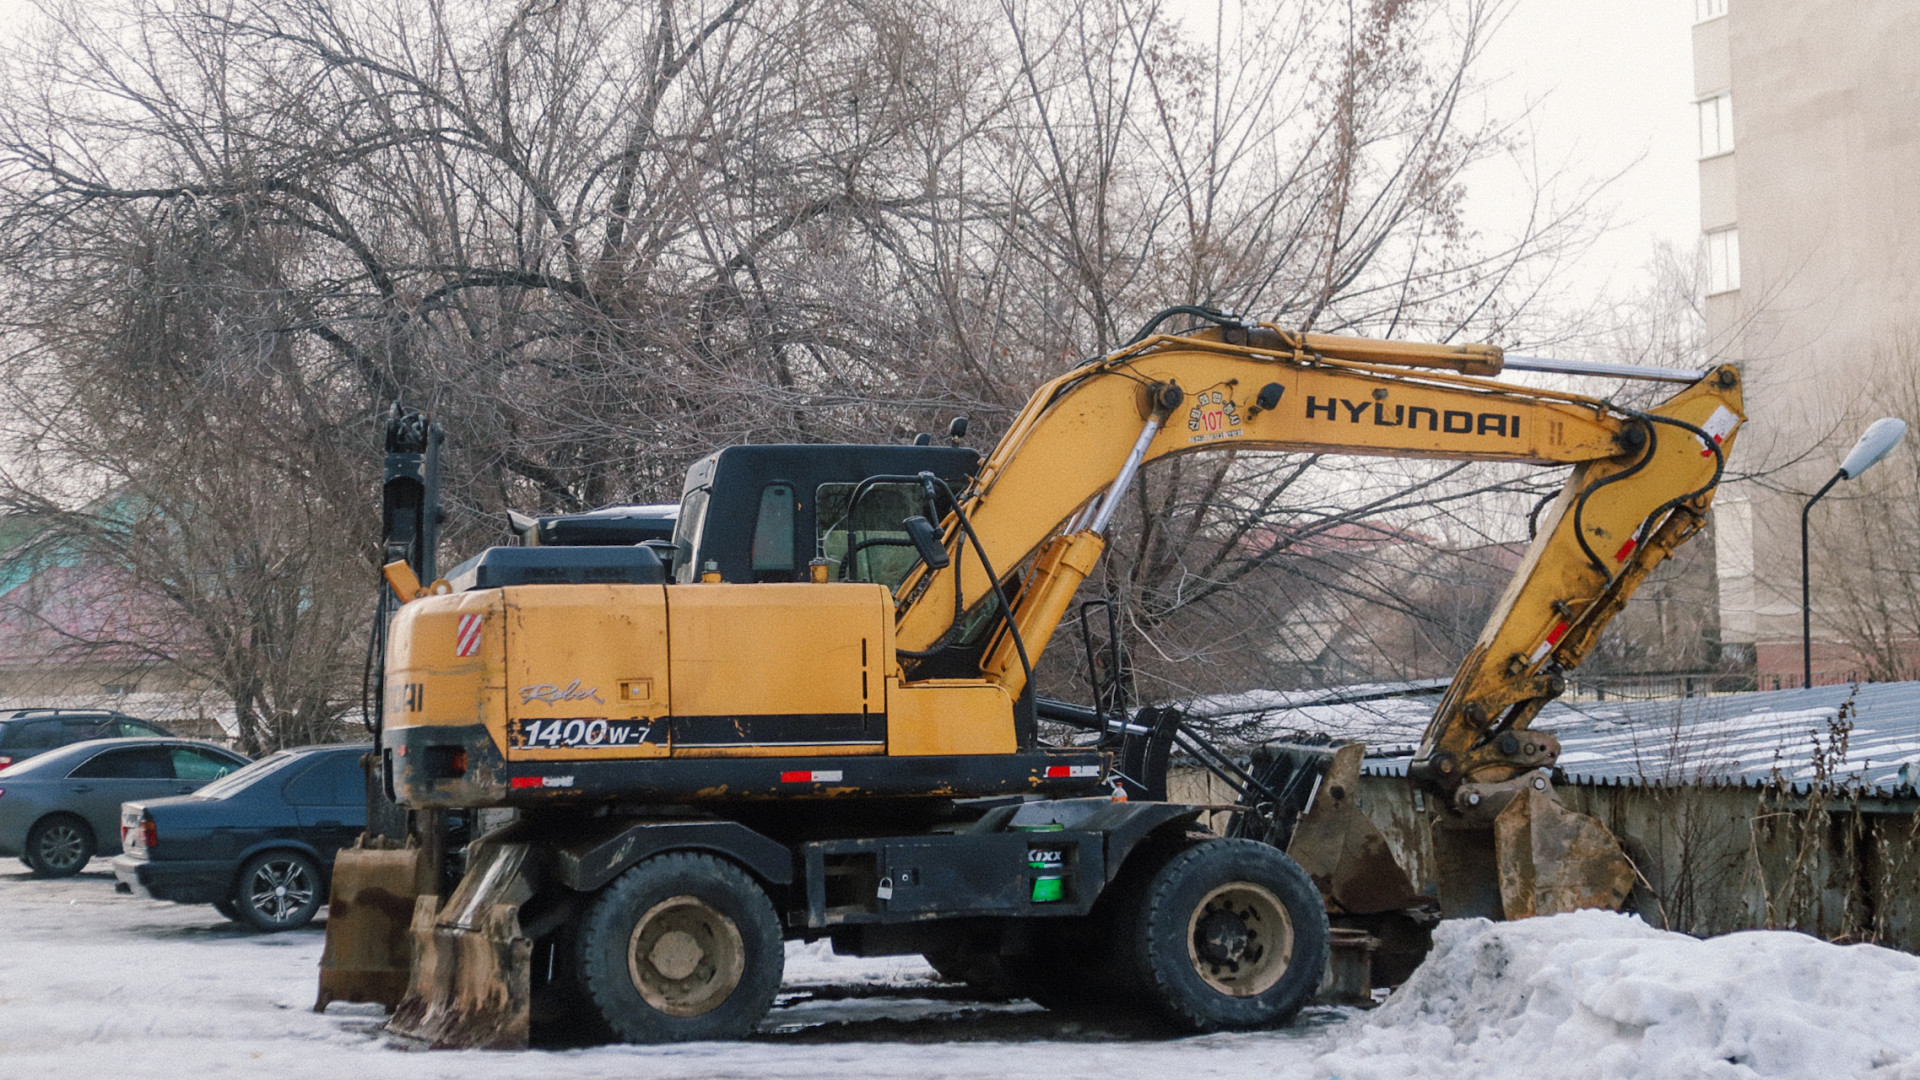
x=1227, y=935
x=58, y=845
x=681, y=947
x=277, y=890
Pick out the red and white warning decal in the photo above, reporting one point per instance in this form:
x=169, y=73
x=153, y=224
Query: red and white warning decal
x=1071, y=772
x=466, y=639
x=814, y=776
x=1719, y=426
x=1553, y=638
x=540, y=781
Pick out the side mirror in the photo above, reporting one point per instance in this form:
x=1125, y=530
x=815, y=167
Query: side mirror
x=957, y=430
x=926, y=540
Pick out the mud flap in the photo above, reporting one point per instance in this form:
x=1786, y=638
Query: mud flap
x=471, y=975
x=1553, y=860
x=369, y=910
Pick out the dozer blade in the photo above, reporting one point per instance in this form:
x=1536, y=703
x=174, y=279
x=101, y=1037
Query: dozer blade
x=1551, y=859
x=471, y=963
x=369, y=910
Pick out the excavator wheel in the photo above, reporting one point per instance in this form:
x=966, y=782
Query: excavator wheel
x=682, y=947
x=1226, y=935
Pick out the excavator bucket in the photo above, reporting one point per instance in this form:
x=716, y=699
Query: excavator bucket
x=1551, y=859
x=1342, y=850
x=369, y=910
x=471, y=964
x=1527, y=856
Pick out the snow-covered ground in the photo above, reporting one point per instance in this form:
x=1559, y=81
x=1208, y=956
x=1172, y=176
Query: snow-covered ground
x=94, y=984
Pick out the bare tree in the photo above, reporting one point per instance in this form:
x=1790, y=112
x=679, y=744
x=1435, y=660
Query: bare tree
x=602, y=239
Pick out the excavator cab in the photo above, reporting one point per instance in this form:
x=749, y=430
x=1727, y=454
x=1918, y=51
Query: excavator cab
x=764, y=513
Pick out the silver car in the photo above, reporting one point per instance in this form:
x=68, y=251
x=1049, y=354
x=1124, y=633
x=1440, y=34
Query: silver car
x=61, y=808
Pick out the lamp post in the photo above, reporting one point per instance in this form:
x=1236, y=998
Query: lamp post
x=1881, y=436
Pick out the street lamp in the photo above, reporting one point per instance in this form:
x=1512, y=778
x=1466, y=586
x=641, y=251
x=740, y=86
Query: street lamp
x=1881, y=436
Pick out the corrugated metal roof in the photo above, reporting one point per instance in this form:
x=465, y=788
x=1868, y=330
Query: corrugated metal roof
x=1732, y=738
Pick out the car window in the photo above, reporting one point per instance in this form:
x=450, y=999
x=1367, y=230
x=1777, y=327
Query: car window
x=334, y=780
x=138, y=728
x=32, y=735
x=247, y=776
x=82, y=728
x=193, y=763
x=127, y=763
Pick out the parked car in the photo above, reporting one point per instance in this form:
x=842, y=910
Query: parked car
x=258, y=845
x=62, y=807
x=27, y=732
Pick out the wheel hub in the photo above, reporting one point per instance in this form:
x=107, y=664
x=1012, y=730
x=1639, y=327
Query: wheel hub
x=685, y=956
x=1222, y=937
x=1240, y=939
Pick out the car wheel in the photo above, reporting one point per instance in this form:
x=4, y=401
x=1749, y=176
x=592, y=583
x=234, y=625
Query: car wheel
x=1229, y=934
x=279, y=890
x=681, y=947
x=58, y=846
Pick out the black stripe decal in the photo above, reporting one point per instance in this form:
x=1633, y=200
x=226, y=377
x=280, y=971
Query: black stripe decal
x=778, y=729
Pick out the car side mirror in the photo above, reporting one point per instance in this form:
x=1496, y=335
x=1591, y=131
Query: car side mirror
x=927, y=540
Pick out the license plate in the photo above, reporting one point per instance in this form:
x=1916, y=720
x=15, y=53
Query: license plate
x=578, y=733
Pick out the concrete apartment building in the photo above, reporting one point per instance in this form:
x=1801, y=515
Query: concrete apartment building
x=1809, y=127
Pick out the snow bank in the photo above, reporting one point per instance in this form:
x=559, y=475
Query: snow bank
x=1594, y=994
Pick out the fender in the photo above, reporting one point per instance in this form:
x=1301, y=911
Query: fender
x=587, y=863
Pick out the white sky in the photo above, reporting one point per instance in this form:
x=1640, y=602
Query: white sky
x=1606, y=93
x=1610, y=87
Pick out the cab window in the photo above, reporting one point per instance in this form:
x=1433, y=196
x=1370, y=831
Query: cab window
x=869, y=544
x=773, y=533
x=687, y=529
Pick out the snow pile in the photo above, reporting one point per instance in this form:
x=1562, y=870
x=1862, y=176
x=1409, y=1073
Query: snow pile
x=1594, y=994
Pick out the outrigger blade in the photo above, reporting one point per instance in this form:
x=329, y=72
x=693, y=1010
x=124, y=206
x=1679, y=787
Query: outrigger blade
x=471, y=962
x=369, y=910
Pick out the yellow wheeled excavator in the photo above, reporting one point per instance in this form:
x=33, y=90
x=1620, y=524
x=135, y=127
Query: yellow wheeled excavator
x=810, y=714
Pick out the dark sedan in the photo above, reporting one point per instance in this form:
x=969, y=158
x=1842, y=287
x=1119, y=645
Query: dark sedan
x=62, y=807
x=258, y=845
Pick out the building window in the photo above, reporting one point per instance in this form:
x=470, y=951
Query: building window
x=1723, y=261
x=1708, y=9
x=1716, y=124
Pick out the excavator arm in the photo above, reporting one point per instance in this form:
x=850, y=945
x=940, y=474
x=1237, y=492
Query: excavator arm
x=1640, y=485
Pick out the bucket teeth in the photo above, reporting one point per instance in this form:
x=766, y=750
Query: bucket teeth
x=471, y=963
x=470, y=986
